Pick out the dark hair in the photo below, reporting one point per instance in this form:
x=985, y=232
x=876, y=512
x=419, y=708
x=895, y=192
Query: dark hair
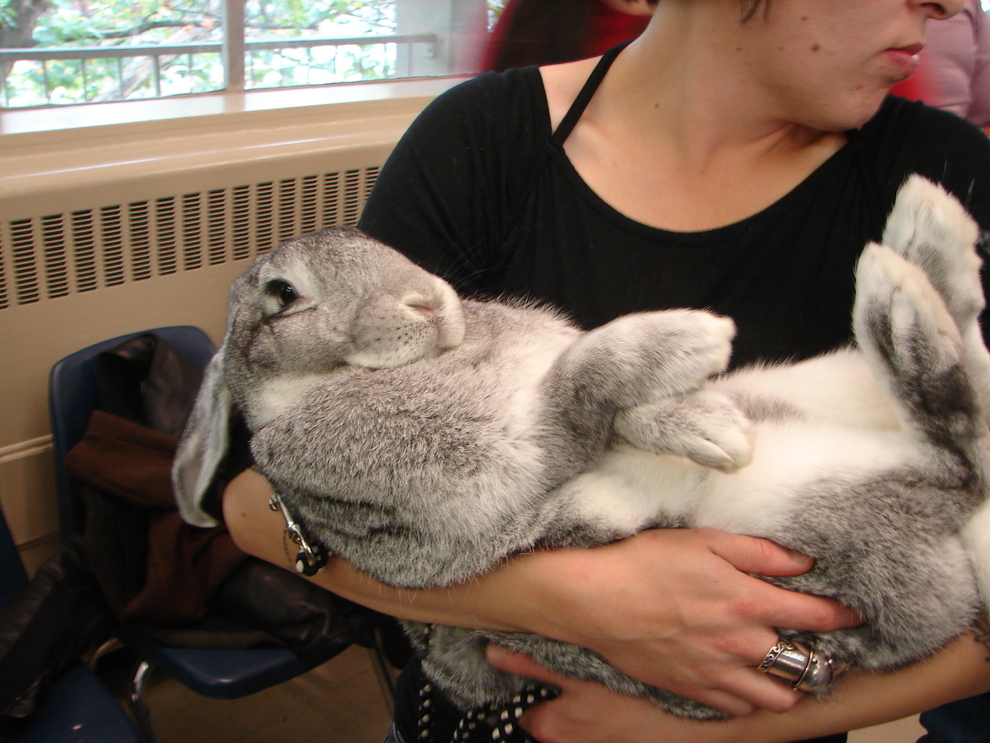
x=542, y=32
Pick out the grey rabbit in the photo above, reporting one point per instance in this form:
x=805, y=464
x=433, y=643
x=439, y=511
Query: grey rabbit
x=425, y=438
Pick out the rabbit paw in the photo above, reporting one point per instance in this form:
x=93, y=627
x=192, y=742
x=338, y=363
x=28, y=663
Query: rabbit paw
x=898, y=311
x=932, y=230
x=704, y=426
x=902, y=324
x=648, y=356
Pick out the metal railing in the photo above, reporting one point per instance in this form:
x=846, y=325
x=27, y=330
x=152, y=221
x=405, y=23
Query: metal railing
x=157, y=52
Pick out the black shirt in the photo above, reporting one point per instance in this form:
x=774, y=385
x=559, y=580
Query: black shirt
x=480, y=191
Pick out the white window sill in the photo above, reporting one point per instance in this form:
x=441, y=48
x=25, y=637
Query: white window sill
x=201, y=109
x=105, y=141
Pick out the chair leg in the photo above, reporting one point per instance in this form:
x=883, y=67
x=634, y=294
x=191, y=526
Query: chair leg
x=111, y=645
x=137, y=704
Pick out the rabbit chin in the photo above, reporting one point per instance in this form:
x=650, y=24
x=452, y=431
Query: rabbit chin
x=392, y=357
x=275, y=395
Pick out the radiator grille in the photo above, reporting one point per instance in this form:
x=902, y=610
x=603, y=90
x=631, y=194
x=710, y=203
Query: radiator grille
x=140, y=240
x=3, y=280
x=112, y=238
x=56, y=265
x=84, y=251
x=25, y=260
x=55, y=255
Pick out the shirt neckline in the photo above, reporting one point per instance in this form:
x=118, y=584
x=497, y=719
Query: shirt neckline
x=555, y=143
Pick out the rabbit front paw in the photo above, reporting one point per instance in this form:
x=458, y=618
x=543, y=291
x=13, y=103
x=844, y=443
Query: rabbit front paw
x=649, y=356
x=704, y=426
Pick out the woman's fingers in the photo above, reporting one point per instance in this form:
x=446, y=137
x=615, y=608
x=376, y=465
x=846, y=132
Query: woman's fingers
x=587, y=712
x=521, y=665
x=772, y=694
x=740, y=691
x=678, y=609
x=755, y=555
x=782, y=608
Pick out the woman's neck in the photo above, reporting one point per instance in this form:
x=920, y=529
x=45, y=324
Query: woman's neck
x=675, y=137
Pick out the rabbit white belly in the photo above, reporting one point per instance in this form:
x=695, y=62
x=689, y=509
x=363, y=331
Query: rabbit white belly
x=790, y=461
x=630, y=489
x=838, y=387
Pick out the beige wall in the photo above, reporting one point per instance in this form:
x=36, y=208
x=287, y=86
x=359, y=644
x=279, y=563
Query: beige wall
x=110, y=228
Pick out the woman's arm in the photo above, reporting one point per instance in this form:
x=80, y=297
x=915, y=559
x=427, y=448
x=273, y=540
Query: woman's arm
x=587, y=712
x=672, y=608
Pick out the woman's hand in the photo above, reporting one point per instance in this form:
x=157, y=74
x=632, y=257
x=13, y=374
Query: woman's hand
x=676, y=609
x=673, y=608
x=586, y=712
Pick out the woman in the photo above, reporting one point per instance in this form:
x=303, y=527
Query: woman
x=736, y=156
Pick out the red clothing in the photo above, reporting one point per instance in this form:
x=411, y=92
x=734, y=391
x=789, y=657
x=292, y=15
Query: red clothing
x=914, y=88
x=954, y=73
x=608, y=27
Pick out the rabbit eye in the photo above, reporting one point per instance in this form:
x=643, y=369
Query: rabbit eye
x=283, y=291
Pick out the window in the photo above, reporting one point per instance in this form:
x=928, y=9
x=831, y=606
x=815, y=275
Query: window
x=84, y=51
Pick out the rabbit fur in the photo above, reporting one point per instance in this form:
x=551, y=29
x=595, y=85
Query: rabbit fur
x=425, y=438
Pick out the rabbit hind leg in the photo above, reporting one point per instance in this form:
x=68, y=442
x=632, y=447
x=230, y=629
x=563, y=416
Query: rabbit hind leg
x=916, y=351
x=932, y=230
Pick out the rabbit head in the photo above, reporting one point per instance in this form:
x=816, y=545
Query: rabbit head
x=323, y=301
x=320, y=302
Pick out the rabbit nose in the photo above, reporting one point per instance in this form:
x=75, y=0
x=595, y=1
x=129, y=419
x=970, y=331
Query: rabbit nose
x=423, y=306
x=426, y=309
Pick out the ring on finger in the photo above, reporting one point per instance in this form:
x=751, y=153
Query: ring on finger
x=802, y=669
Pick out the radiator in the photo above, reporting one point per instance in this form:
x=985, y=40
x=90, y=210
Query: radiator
x=125, y=228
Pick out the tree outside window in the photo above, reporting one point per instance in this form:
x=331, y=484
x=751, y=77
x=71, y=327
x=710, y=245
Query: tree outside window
x=87, y=51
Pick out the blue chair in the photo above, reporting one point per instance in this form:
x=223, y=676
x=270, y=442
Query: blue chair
x=77, y=708
x=72, y=400
x=213, y=673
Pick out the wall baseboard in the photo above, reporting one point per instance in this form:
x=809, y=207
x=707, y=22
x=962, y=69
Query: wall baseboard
x=27, y=497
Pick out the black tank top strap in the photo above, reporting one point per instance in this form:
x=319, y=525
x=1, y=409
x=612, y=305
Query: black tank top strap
x=574, y=113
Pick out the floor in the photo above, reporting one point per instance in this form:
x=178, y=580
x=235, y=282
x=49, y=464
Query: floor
x=339, y=702
x=901, y=731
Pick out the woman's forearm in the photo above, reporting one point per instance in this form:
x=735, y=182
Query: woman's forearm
x=259, y=531
x=561, y=580
x=676, y=609
x=480, y=604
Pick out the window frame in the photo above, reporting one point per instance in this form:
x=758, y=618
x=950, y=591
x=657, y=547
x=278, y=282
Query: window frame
x=431, y=34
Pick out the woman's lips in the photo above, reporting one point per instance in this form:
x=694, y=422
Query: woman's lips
x=903, y=60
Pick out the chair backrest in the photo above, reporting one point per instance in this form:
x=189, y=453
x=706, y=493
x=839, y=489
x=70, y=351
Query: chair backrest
x=72, y=400
x=13, y=577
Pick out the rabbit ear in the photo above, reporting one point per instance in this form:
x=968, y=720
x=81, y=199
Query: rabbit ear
x=204, y=444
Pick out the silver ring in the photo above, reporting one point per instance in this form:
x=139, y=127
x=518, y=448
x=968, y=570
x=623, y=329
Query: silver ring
x=802, y=669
